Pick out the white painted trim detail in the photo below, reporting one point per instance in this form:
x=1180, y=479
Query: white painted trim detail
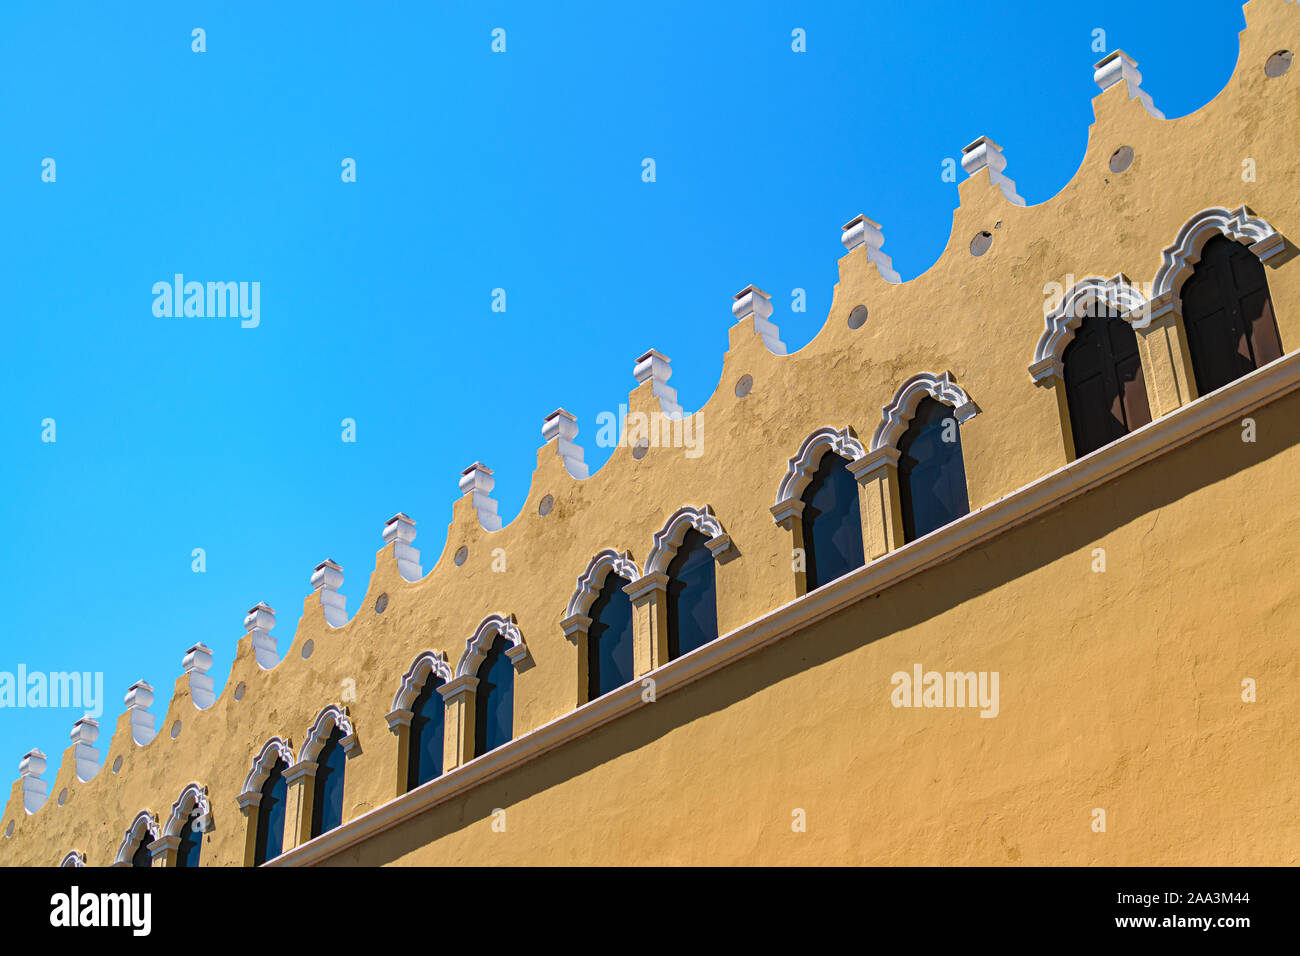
x=326, y=579
x=753, y=301
x=669, y=538
x=257, y=625
x=139, y=698
x=144, y=824
x=986, y=154
x=561, y=427
x=592, y=580
x=1161, y=436
x=861, y=231
x=480, y=642
x=1118, y=295
x=35, y=789
x=195, y=663
x=477, y=482
x=656, y=368
x=193, y=800
x=426, y=666
x=399, y=531
x=330, y=717
x=74, y=858
x=1119, y=66
x=895, y=417
x=84, y=734
x=274, y=749
x=1240, y=224
x=842, y=441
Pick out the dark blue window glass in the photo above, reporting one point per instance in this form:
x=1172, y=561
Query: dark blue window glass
x=832, y=522
x=142, y=856
x=609, y=639
x=931, y=475
x=270, y=815
x=327, y=801
x=427, y=712
x=187, y=854
x=494, y=700
x=692, y=597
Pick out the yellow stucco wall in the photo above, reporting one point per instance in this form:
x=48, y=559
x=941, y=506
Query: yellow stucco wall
x=1120, y=690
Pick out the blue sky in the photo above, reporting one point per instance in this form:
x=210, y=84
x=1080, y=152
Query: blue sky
x=475, y=171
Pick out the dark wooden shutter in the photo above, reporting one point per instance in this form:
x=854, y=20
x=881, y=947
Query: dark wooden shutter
x=1228, y=314
x=1104, y=384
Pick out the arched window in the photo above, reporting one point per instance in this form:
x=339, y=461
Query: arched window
x=609, y=638
x=327, y=795
x=494, y=699
x=142, y=855
x=187, y=854
x=931, y=475
x=425, y=754
x=832, y=522
x=692, y=596
x=1228, y=315
x=270, y=815
x=1104, y=385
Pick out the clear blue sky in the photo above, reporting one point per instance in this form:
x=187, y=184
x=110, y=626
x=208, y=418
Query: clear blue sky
x=475, y=171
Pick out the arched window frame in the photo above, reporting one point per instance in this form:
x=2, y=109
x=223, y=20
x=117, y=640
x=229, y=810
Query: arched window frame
x=428, y=665
x=877, y=473
x=576, y=623
x=1117, y=297
x=74, y=858
x=143, y=826
x=193, y=800
x=459, y=692
x=649, y=592
x=787, y=512
x=250, y=797
x=301, y=777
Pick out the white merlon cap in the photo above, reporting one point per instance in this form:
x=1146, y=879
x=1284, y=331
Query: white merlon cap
x=986, y=154
x=399, y=531
x=84, y=734
x=861, y=231
x=477, y=481
x=139, y=698
x=656, y=368
x=30, y=769
x=326, y=579
x=258, y=624
x=562, y=427
x=195, y=663
x=1117, y=66
x=753, y=301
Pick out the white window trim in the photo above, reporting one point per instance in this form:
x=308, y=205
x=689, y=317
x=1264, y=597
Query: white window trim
x=799, y=473
x=669, y=538
x=480, y=642
x=144, y=824
x=898, y=414
x=426, y=666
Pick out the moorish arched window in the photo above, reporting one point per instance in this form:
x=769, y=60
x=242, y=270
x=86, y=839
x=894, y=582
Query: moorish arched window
x=931, y=473
x=832, y=522
x=1228, y=314
x=427, y=725
x=1104, y=385
x=187, y=853
x=494, y=699
x=274, y=796
x=609, y=638
x=182, y=836
x=136, y=848
x=327, y=793
x=692, y=596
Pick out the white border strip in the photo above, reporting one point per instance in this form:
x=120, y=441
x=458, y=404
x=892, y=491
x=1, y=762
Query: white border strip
x=1171, y=431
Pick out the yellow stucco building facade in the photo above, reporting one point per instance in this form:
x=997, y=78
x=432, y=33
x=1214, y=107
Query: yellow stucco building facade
x=1137, y=605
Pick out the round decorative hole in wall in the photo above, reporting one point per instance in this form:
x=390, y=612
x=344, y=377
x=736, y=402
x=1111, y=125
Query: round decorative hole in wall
x=381, y=603
x=1121, y=159
x=117, y=765
x=307, y=648
x=640, y=448
x=176, y=729
x=63, y=796
x=744, y=385
x=858, y=317
x=1278, y=64
x=239, y=690
x=545, y=505
x=980, y=244
x=462, y=555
